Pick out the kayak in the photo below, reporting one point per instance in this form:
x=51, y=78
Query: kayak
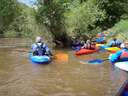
x=113, y=49
x=122, y=65
x=77, y=48
x=112, y=58
x=85, y=51
x=98, y=45
x=39, y=59
x=104, y=46
x=123, y=91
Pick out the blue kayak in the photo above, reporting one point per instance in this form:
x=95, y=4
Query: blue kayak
x=123, y=90
x=104, y=46
x=112, y=58
x=39, y=59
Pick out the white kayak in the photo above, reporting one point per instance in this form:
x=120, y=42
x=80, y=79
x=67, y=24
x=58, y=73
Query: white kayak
x=122, y=65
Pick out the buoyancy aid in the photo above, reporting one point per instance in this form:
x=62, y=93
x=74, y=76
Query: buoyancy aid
x=90, y=46
x=40, y=50
x=115, y=43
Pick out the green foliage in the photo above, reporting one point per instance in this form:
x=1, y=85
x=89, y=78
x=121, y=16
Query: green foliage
x=51, y=14
x=114, y=10
x=79, y=17
x=8, y=11
x=121, y=29
x=60, y=19
x=81, y=20
x=25, y=25
x=10, y=33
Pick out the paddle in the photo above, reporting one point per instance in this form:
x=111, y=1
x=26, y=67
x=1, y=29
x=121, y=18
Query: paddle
x=98, y=61
x=21, y=50
x=58, y=56
x=63, y=57
x=94, y=61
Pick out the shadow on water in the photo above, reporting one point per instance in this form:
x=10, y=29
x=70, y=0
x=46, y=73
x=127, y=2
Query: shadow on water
x=18, y=77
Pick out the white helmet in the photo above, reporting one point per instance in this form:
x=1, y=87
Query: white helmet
x=38, y=39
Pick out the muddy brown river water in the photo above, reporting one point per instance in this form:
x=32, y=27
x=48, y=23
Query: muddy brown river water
x=19, y=77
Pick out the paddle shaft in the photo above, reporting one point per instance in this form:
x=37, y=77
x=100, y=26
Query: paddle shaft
x=97, y=61
x=105, y=59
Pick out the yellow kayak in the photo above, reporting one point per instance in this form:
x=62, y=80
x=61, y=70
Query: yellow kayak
x=113, y=49
x=98, y=45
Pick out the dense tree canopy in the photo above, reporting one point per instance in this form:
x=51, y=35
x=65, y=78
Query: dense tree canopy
x=82, y=18
x=60, y=19
x=9, y=10
x=51, y=14
x=114, y=10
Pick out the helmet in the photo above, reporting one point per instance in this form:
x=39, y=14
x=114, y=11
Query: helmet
x=38, y=39
x=114, y=39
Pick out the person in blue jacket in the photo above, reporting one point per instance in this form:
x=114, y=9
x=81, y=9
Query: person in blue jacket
x=121, y=55
x=115, y=43
x=101, y=40
x=77, y=44
x=40, y=48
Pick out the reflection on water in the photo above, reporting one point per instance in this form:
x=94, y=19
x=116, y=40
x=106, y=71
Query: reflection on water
x=18, y=77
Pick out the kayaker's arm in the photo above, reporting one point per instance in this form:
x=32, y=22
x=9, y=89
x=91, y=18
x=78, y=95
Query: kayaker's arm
x=48, y=51
x=110, y=44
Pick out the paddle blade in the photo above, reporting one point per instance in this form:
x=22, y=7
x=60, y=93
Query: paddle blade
x=61, y=57
x=96, y=61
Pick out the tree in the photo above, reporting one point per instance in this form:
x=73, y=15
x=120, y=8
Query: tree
x=82, y=19
x=114, y=10
x=51, y=14
x=8, y=11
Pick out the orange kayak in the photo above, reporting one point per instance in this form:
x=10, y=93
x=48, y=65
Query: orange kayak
x=63, y=57
x=86, y=51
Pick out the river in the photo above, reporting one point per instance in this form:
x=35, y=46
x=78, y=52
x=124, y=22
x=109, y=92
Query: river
x=19, y=77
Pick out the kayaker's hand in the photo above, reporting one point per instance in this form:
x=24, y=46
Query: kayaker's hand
x=53, y=57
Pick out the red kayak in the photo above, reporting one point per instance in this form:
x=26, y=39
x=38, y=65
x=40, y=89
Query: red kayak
x=86, y=51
